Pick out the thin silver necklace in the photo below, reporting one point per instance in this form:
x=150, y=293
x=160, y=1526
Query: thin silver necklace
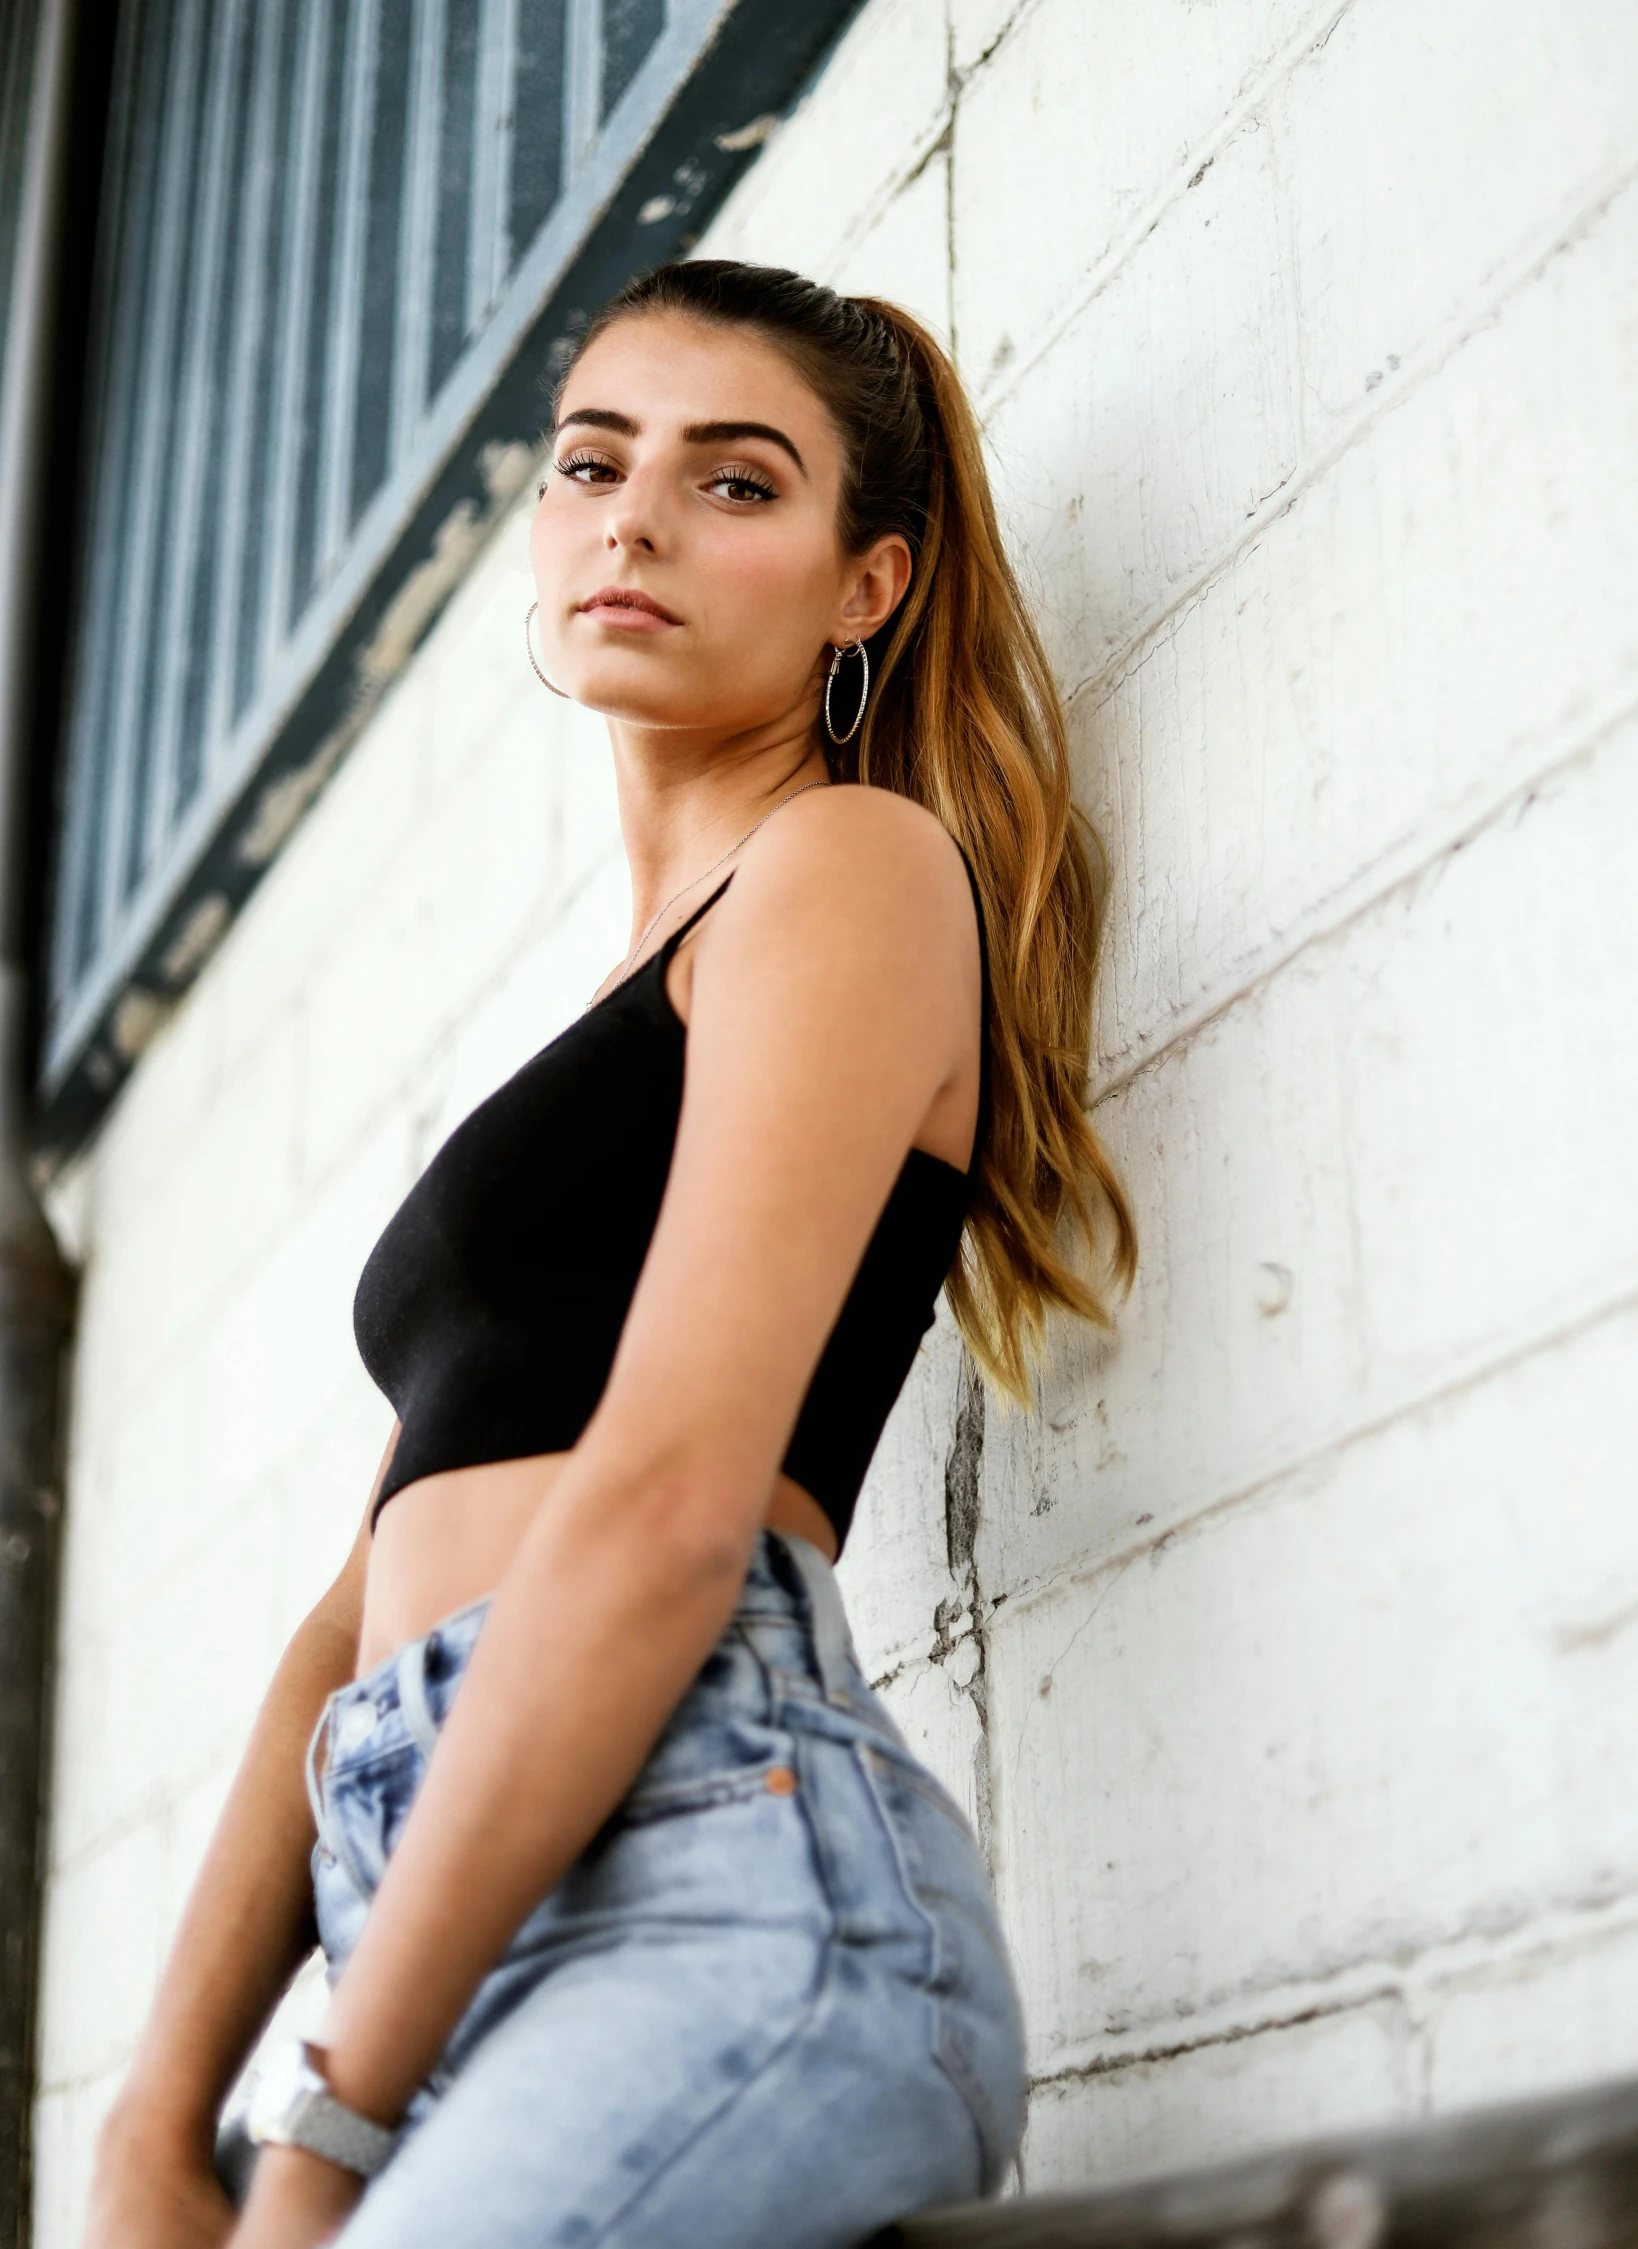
x=694, y=882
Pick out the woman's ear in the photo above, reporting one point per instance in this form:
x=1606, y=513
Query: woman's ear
x=878, y=581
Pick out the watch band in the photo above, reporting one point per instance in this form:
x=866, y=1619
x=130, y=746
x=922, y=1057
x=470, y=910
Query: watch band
x=296, y=2108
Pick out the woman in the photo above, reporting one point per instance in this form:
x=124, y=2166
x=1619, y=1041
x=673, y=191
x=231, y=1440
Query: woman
x=658, y=1933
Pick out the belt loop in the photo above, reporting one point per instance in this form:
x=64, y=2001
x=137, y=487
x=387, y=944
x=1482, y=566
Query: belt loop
x=412, y=1695
x=833, y=1653
x=315, y=1788
x=332, y=1833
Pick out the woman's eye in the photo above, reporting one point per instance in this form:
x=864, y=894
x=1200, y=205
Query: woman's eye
x=738, y=486
x=586, y=468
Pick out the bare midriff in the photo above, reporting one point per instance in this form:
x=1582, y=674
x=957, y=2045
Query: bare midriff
x=446, y=1541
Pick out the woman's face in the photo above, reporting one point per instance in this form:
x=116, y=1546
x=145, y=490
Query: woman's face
x=685, y=550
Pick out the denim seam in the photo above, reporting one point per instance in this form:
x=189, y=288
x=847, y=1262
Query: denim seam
x=909, y=1773
x=413, y=1703
x=792, y=1697
x=907, y=1879
x=824, y=1618
x=764, y=1670
x=327, y=1829
x=806, y=1797
x=374, y=1764
x=797, y=2031
x=703, y=1795
x=950, y=2053
x=947, y=2045
x=332, y=1834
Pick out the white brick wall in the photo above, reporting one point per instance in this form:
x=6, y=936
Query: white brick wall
x=1288, y=1676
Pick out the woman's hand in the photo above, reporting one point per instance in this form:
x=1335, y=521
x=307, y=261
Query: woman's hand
x=296, y=2201
x=153, y=2189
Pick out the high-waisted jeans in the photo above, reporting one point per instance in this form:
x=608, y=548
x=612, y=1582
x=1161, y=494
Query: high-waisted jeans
x=769, y=2006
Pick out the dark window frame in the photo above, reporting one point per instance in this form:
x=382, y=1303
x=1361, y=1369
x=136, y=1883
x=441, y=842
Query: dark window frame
x=639, y=184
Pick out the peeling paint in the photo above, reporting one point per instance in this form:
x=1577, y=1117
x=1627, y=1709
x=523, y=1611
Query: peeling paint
x=506, y=469
x=140, y=1015
x=753, y=135
x=198, y=937
x=421, y=596
x=282, y=803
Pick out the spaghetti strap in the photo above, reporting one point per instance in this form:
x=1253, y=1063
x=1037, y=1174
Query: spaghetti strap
x=981, y=1128
x=665, y=951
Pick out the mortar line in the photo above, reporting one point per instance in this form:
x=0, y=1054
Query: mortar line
x=1382, y=883
x=1551, y=1335
x=1413, y=1984
x=1231, y=2034
x=1203, y=153
x=1417, y=368
x=922, y=151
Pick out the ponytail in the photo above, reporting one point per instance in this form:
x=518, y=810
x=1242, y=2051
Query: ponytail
x=967, y=720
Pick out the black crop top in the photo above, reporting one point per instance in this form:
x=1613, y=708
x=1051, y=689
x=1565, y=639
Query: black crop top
x=490, y=1308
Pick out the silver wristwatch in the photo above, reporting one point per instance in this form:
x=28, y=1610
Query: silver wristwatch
x=293, y=2106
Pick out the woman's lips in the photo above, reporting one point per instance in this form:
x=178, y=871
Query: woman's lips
x=627, y=610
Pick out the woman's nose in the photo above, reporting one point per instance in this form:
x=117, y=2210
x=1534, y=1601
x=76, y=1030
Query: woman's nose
x=628, y=535
x=632, y=522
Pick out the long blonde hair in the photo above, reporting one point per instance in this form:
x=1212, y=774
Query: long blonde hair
x=964, y=717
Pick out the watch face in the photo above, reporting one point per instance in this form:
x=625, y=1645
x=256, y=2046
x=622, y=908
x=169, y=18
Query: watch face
x=285, y=2077
x=293, y=2107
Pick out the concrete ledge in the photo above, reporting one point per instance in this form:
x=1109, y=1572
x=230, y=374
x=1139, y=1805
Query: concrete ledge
x=1558, y=2174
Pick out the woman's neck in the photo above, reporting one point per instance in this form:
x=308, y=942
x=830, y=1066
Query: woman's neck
x=682, y=806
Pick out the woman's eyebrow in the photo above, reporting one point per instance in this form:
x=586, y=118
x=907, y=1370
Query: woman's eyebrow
x=696, y=433
x=725, y=433
x=600, y=417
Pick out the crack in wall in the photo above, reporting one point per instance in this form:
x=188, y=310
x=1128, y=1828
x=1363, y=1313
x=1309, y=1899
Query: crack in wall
x=1234, y=2034
x=958, y=1621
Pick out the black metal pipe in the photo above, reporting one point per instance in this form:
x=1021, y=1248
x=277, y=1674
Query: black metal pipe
x=36, y=1307
x=36, y=1289
x=1560, y=2173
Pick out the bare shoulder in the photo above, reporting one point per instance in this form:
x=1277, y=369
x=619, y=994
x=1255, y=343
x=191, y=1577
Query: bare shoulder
x=868, y=853
x=852, y=898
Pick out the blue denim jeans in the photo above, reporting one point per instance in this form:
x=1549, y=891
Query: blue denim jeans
x=769, y=2007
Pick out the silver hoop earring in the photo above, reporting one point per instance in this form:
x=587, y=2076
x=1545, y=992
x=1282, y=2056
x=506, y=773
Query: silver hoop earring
x=857, y=649
x=529, y=649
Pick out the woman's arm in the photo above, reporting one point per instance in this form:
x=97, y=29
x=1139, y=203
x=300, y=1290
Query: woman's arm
x=246, y=1928
x=834, y=996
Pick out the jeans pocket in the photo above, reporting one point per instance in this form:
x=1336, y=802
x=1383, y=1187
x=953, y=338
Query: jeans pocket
x=670, y=1800
x=707, y=1758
